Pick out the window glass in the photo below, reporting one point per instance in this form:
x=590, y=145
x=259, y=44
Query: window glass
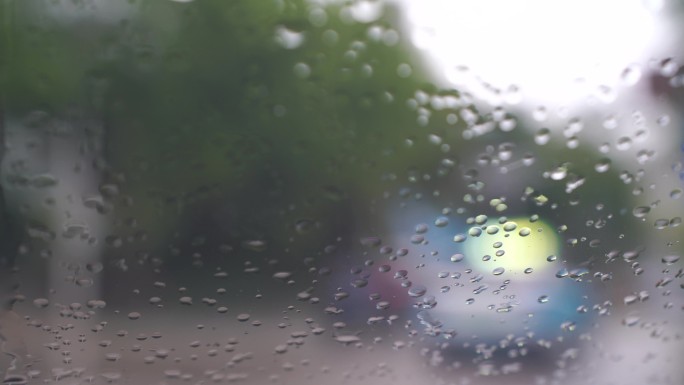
x=341, y=192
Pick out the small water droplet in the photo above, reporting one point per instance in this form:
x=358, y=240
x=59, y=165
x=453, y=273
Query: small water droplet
x=134, y=315
x=602, y=165
x=41, y=302
x=540, y=114
x=254, y=245
x=475, y=231
x=542, y=136
x=562, y=273
x=491, y=230
x=371, y=241
x=668, y=67
x=670, y=259
x=630, y=321
x=631, y=75
x=630, y=299
x=568, y=326
x=510, y=226
x=417, y=291
x=417, y=239
x=404, y=70
x=458, y=238
x=641, y=211
x=304, y=226
x=624, y=143
x=348, y=339
x=302, y=70
x=282, y=275
x=559, y=173
x=286, y=38
x=661, y=223
x=16, y=379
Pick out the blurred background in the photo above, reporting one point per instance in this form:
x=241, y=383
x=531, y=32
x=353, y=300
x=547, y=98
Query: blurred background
x=308, y=191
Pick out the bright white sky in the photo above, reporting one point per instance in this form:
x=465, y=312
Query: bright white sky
x=556, y=52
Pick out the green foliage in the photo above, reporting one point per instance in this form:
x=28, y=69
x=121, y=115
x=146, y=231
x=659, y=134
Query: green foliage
x=200, y=98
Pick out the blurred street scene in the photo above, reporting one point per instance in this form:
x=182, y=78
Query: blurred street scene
x=341, y=192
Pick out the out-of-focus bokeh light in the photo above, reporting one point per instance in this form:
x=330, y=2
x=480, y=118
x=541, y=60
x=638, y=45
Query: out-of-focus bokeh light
x=524, y=244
